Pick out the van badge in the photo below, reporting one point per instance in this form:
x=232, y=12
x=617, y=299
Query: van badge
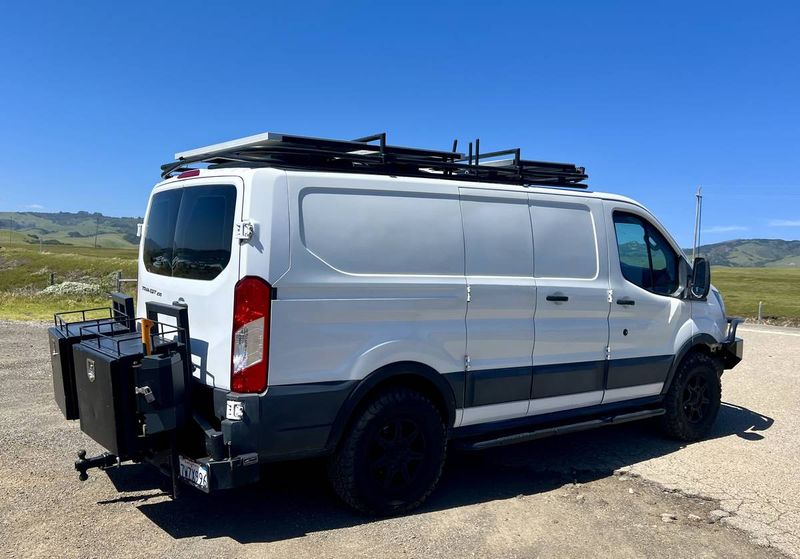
x=90, y=369
x=152, y=291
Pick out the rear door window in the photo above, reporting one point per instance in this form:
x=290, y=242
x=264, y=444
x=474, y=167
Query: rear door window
x=189, y=231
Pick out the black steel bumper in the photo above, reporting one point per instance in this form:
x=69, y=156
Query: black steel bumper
x=732, y=347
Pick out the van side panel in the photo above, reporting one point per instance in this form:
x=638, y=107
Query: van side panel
x=499, y=270
x=266, y=203
x=571, y=270
x=376, y=277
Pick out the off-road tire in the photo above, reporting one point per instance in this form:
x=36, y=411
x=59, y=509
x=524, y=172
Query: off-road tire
x=364, y=470
x=693, y=401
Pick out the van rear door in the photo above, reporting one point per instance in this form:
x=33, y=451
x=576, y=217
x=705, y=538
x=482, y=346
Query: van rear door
x=189, y=254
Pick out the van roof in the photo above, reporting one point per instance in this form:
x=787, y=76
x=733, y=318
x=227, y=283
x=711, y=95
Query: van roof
x=364, y=155
x=464, y=183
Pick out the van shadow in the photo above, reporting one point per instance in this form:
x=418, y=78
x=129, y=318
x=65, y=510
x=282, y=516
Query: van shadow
x=294, y=499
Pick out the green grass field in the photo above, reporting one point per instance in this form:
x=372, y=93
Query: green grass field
x=743, y=288
x=25, y=271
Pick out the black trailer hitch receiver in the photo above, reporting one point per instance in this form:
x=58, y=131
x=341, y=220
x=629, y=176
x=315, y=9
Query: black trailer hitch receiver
x=102, y=461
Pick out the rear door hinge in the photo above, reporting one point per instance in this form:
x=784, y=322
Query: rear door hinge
x=244, y=230
x=610, y=295
x=608, y=352
x=469, y=294
x=467, y=363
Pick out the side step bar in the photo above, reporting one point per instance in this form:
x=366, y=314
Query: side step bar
x=558, y=430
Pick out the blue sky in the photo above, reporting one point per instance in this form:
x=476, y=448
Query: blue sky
x=653, y=98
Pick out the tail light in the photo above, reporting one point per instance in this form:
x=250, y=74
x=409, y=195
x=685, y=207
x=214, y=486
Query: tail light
x=250, y=351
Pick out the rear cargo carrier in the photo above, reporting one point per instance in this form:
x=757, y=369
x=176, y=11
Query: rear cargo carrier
x=125, y=379
x=128, y=381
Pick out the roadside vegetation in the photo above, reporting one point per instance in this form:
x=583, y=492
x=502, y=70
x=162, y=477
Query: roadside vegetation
x=777, y=288
x=35, y=283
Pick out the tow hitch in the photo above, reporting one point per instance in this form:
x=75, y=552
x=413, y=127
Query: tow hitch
x=102, y=461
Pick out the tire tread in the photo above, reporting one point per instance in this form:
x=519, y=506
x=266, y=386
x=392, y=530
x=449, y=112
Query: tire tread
x=672, y=422
x=342, y=466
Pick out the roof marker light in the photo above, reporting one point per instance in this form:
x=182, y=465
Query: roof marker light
x=189, y=173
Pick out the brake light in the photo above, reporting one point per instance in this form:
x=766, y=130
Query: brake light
x=250, y=351
x=189, y=173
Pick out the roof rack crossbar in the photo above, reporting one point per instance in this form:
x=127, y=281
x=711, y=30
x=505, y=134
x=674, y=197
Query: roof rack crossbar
x=361, y=155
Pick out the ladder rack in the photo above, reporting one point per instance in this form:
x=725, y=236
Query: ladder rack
x=371, y=154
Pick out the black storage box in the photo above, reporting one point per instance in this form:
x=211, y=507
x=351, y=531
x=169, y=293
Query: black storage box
x=106, y=398
x=66, y=333
x=127, y=401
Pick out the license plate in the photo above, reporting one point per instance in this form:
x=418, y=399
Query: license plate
x=196, y=474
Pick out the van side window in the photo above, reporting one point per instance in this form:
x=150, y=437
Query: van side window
x=564, y=241
x=645, y=256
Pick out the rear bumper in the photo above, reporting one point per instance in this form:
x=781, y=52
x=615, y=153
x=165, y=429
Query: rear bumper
x=231, y=472
x=286, y=422
x=732, y=347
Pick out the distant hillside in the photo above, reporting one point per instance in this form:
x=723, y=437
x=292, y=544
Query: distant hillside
x=757, y=253
x=65, y=228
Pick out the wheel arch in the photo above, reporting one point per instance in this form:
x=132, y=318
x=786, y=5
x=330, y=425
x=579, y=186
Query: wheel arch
x=404, y=373
x=705, y=343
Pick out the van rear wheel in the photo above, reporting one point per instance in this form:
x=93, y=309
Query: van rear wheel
x=693, y=401
x=392, y=458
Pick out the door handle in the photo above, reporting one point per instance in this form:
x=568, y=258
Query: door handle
x=626, y=301
x=557, y=298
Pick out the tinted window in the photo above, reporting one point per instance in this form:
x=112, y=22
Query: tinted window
x=645, y=256
x=384, y=232
x=189, y=231
x=564, y=242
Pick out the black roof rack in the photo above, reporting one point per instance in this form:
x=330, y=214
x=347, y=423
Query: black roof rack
x=371, y=154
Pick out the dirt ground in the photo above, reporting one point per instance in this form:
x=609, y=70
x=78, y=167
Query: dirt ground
x=619, y=492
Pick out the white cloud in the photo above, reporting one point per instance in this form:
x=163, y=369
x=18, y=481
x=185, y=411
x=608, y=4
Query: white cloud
x=34, y=207
x=784, y=223
x=724, y=228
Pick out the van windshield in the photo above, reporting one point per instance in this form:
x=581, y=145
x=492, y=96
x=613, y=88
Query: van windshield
x=189, y=231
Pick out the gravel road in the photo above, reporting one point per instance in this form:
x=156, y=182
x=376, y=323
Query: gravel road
x=618, y=492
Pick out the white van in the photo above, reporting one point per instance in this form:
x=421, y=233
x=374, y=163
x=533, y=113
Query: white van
x=373, y=304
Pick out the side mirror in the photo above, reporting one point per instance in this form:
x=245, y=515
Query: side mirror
x=701, y=278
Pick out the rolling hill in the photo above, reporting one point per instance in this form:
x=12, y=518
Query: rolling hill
x=65, y=228
x=752, y=253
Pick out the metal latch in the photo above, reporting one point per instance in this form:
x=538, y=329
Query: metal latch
x=244, y=230
x=147, y=393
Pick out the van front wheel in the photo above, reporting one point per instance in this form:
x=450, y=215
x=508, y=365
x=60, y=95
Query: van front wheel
x=693, y=401
x=393, y=456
